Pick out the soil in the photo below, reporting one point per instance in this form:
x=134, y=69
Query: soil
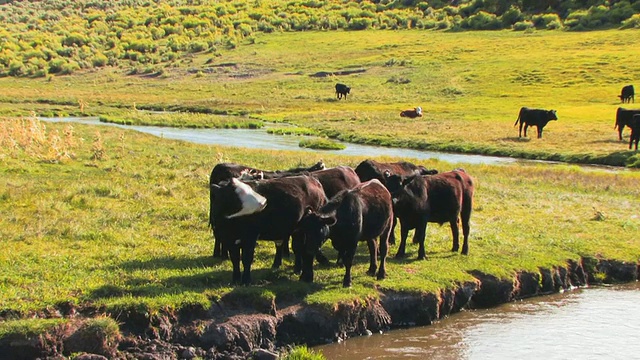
x=227, y=331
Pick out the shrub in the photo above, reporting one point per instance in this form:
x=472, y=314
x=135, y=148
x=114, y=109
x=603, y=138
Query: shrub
x=360, y=23
x=511, y=16
x=632, y=22
x=544, y=21
x=523, y=25
x=99, y=60
x=482, y=21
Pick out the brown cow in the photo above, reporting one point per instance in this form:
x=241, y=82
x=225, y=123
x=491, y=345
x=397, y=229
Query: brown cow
x=416, y=112
x=418, y=200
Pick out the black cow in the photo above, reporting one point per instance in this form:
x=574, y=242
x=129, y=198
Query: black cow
x=624, y=118
x=371, y=169
x=627, y=94
x=418, y=200
x=534, y=117
x=224, y=172
x=342, y=90
x=266, y=210
x=635, y=131
x=363, y=213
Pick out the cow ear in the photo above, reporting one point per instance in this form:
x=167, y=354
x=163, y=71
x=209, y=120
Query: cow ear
x=329, y=219
x=386, y=173
x=405, y=181
x=215, y=187
x=308, y=210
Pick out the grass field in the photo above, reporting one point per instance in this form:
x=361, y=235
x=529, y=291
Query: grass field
x=116, y=220
x=471, y=86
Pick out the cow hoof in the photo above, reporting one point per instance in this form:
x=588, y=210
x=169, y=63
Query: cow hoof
x=381, y=276
x=371, y=272
x=422, y=257
x=400, y=256
x=454, y=249
x=306, y=278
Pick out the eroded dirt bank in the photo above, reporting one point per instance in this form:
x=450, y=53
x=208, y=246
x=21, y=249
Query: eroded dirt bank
x=227, y=331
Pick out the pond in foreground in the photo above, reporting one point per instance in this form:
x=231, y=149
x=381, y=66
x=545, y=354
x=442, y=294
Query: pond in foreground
x=592, y=323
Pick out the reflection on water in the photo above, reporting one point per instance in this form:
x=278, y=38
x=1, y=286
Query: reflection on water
x=595, y=323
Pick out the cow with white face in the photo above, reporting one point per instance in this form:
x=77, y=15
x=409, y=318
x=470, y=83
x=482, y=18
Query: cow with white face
x=270, y=210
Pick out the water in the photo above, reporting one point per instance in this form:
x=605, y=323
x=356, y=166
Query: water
x=593, y=323
x=260, y=139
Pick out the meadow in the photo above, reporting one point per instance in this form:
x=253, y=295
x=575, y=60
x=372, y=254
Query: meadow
x=112, y=221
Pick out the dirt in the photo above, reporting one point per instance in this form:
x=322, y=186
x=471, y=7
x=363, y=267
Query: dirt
x=228, y=332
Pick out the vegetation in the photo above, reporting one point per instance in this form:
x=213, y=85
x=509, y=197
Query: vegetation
x=321, y=144
x=62, y=36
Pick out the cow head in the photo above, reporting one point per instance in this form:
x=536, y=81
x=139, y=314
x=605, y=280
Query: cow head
x=318, y=166
x=424, y=171
x=236, y=198
x=551, y=114
x=419, y=111
x=315, y=228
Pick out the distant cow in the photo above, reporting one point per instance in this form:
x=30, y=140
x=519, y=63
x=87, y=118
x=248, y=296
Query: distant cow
x=226, y=171
x=371, y=169
x=441, y=198
x=624, y=118
x=635, y=131
x=627, y=94
x=416, y=112
x=342, y=90
x=266, y=210
x=363, y=213
x=534, y=117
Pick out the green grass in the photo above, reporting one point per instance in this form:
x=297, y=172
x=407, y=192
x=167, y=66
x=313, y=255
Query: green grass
x=321, y=144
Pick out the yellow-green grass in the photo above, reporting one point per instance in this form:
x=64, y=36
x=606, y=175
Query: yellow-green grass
x=127, y=230
x=470, y=86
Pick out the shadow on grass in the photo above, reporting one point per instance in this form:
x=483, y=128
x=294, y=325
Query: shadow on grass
x=171, y=263
x=515, y=139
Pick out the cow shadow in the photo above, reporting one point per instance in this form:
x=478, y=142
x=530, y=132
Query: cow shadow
x=169, y=263
x=515, y=139
x=611, y=141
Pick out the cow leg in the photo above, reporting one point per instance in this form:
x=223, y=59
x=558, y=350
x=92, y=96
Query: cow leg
x=277, y=259
x=307, y=267
x=321, y=258
x=404, y=233
x=234, y=253
x=384, y=249
x=421, y=231
x=348, y=262
x=520, y=130
x=455, y=232
x=248, y=250
x=392, y=237
x=539, y=132
x=298, y=250
x=373, y=256
x=525, y=130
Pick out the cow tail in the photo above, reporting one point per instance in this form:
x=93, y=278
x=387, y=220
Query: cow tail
x=518, y=119
x=617, y=119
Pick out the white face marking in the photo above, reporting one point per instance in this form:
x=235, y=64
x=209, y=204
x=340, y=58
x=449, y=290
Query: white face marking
x=252, y=202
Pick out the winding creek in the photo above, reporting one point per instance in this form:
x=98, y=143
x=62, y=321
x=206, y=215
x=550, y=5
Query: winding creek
x=593, y=323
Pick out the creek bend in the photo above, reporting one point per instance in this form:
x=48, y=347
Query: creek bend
x=260, y=139
x=589, y=323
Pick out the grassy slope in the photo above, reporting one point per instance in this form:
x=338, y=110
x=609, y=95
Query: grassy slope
x=470, y=85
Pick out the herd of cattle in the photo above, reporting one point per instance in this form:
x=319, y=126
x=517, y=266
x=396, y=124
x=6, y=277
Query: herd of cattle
x=346, y=205
x=540, y=118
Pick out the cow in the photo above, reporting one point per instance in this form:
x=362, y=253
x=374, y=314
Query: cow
x=534, y=117
x=224, y=172
x=416, y=112
x=265, y=210
x=371, y=169
x=363, y=213
x=624, y=118
x=635, y=131
x=342, y=90
x=418, y=200
x=627, y=94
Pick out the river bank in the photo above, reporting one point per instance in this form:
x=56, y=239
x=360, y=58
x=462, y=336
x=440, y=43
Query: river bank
x=229, y=331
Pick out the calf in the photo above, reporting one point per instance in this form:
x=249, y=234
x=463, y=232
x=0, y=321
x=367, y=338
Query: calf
x=635, y=131
x=266, y=210
x=418, y=200
x=416, y=112
x=627, y=94
x=363, y=213
x=342, y=90
x=534, y=117
x=224, y=172
x=624, y=117
x=371, y=169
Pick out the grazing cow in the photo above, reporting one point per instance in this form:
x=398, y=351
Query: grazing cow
x=416, y=112
x=226, y=171
x=342, y=90
x=627, y=94
x=418, y=200
x=534, y=117
x=371, y=169
x=624, y=118
x=363, y=213
x=635, y=131
x=266, y=210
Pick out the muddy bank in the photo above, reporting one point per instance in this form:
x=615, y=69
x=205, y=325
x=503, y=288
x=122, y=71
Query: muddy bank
x=229, y=330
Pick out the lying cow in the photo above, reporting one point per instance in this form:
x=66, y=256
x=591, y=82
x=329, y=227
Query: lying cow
x=635, y=131
x=627, y=94
x=363, y=213
x=624, y=117
x=371, y=169
x=342, y=90
x=416, y=112
x=224, y=172
x=534, y=117
x=265, y=210
x=441, y=198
